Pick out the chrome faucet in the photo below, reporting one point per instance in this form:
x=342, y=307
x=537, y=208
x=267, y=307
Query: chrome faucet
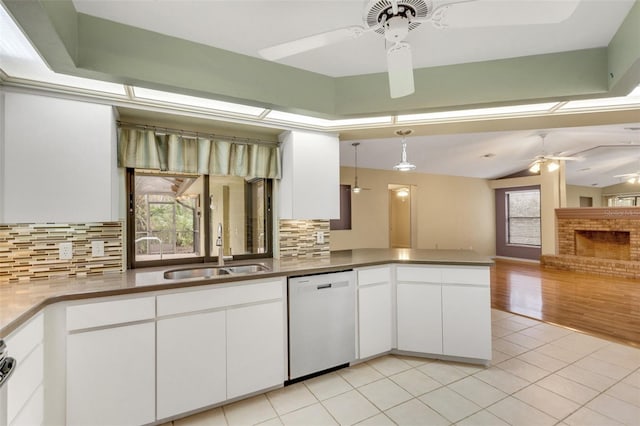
x=219, y=245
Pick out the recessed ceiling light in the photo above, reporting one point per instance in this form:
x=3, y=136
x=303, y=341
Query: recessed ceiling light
x=489, y=155
x=586, y=169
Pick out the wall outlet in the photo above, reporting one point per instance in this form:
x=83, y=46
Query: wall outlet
x=320, y=237
x=65, y=251
x=97, y=248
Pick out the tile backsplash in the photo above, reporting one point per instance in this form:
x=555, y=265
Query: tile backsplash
x=298, y=238
x=30, y=251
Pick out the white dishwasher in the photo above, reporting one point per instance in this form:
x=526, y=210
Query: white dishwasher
x=321, y=322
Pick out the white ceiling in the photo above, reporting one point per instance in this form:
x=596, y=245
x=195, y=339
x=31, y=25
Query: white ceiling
x=603, y=152
x=247, y=26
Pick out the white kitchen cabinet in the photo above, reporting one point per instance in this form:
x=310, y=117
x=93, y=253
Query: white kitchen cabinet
x=419, y=317
x=310, y=184
x=444, y=310
x=59, y=161
x=375, y=313
x=191, y=357
x=219, y=342
x=255, y=348
x=25, y=401
x=466, y=313
x=111, y=371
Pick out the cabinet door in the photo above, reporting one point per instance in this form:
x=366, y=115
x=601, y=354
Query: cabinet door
x=255, y=348
x=419, y=317
x=191, y=356
x=466, y=321
x=374, y=319
x=111, y=376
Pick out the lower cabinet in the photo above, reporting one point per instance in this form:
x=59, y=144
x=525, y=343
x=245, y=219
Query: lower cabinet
x=255, y=348
x=111, y=376
x=375, y=313
x=444, y=310
x=191, y=356
x=219, y=343
x=466, y=321
x=25, y=389
x=419, y=317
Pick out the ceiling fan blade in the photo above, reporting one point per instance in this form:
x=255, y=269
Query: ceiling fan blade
x=488, y=13
x=554, y=157
x=400, y=68
x=279, y=51
x=627, y=175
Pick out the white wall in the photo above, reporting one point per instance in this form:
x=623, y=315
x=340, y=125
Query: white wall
x=574, y=192
x=59, y=161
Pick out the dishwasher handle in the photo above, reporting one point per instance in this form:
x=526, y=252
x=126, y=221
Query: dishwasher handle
x=338, y=284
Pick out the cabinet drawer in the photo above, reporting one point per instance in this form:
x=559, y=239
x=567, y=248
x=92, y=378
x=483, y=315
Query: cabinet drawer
x=466, y=275
x=219, y=297
x=373, y=276
x=419, y=274
x=109, y=313
x=21, y=342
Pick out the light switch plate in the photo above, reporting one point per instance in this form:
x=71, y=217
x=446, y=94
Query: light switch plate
x=65, y=251
x=320, y=237
x=97, y=248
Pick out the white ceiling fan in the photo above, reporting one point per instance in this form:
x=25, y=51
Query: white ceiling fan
x=551, y=161
x=356, y=189
x=394, y=19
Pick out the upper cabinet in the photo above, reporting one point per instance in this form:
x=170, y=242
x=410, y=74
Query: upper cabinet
x=310, y=184
x=59, y=161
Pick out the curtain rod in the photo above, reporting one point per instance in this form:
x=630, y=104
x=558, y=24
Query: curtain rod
x=193, y=134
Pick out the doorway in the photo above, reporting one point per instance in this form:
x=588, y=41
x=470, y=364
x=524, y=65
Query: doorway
x=400, y=217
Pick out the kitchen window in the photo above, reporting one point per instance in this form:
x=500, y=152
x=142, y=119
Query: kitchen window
x=173, y=217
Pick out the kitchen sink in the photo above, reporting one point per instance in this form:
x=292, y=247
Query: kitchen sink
x=214, y=271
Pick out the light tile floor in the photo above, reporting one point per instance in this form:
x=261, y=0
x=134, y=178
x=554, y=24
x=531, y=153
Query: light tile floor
x=540, y=375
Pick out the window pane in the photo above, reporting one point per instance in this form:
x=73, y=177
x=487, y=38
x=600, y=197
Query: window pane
x=238, y=205
x=167, y=217
x=523, y=217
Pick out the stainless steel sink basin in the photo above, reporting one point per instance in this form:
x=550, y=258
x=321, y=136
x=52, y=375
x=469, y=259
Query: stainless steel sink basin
x=246, y=269
x=214, y=271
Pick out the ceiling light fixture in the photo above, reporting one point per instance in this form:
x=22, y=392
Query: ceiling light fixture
x=402, y=192
x=552, y=166
x=356, y=189
x=404, y=165
x=535, y=167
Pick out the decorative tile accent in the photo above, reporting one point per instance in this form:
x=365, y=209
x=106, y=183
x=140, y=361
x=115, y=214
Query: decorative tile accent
x=30, y=251
x=298, y=238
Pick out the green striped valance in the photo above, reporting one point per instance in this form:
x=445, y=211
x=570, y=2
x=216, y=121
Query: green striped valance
x=144, y=149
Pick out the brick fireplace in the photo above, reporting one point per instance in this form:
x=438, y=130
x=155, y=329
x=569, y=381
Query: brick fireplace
x=597, y=240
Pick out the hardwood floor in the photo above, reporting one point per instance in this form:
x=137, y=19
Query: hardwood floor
x=604, y=306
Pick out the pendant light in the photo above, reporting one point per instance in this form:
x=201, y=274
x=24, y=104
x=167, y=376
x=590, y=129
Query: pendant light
x=356, y=189
x=404, y=165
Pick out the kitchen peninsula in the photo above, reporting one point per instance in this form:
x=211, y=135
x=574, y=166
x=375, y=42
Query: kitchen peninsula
x=233, y=329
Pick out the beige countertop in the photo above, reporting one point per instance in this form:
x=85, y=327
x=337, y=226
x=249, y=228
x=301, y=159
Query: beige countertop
x=20, y=301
